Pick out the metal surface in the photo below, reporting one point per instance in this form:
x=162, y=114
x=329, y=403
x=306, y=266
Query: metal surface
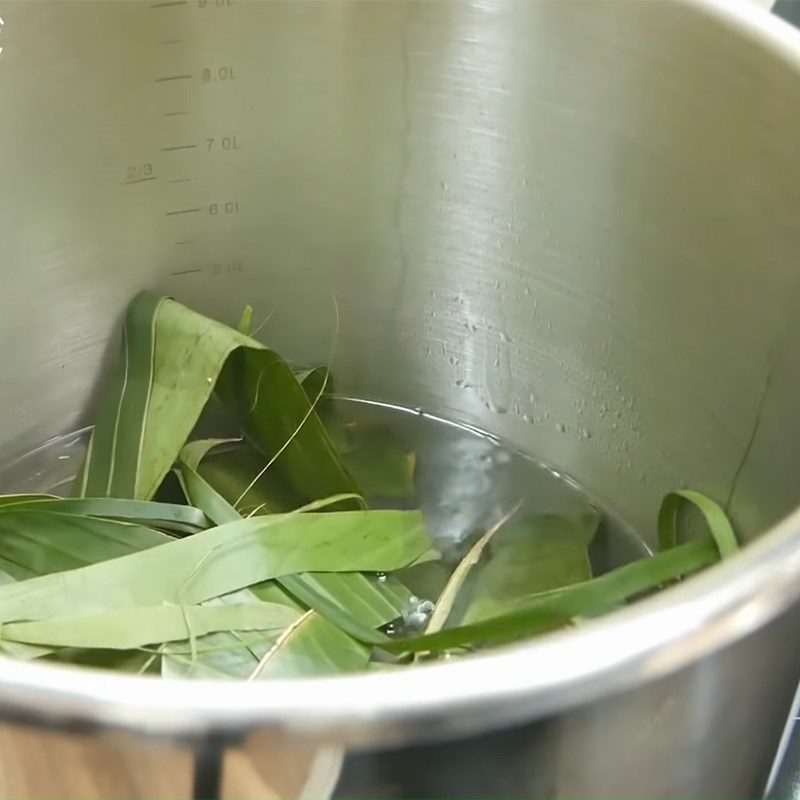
x=572, y=224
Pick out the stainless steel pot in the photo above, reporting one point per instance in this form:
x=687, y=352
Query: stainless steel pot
x=573, y=224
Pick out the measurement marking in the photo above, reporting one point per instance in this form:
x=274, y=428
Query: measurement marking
x=185, y=241
x=182, y=211
x=180, y=180
x=173, y=78
x=168, y=3
x=142, y=180
x=187, y=271
x=175, y=113
x=178, y=147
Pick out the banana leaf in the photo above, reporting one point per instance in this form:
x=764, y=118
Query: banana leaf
x=532, y=554
x=128, y=628
x=553, y=609
x=172, y=359
x=224, y=559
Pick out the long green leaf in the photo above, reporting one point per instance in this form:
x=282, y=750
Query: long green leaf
x=223, y=559
x=35, y=543
x=311, y=646
x=717, y=520
x=536, y=553
x=185, y=519
x=382, y=468
x=370, y=601
x=172, y=360
x=116, y=464
x=128, y=628
x=556, y=608
x=230, y=467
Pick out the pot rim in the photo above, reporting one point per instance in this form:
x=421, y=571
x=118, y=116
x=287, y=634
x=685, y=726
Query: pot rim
x=647, y=640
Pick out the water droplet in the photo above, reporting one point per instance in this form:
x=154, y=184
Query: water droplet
x=442, y=183
x=504, y=336
x=527, y=289
x=561, y=427
x=527, y=418
x=382, y=577
x=497, y=377
x=417, y=613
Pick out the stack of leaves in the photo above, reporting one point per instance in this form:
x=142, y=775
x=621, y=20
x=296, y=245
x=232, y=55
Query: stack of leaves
x=265, y=560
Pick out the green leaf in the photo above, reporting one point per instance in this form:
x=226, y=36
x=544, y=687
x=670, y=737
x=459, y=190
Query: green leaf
x=556, y=608
x=717, y=520
x=221, y=560
x=230, y=467
x=166, y=516
x=444, y=605
x=128, y=628
x=271, y=407
x=381, y=467
x=311, y=646
x=318, y=385
x=370, y=601
x=35, y=543
x=172, y=360
x=331, y=609
x=535, y=553
x=246, y=320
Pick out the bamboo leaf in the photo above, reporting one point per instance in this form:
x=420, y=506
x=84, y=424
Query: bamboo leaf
x=311, y=595
x=231, y=466
x=381, y=467
x=223, y=559
x=555, y=608
x=113, y=463
x=184, y=519
x=536, y=553
x=717, y=520
x=444, y=604
x=35, y=543
x=271, y=407
x=311, y=646
x=128, y=628
x=318, y=385
x=370, y=601
x=172, y=359
x=246, y=320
